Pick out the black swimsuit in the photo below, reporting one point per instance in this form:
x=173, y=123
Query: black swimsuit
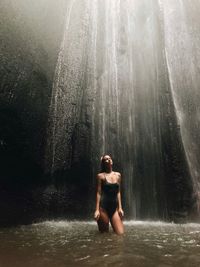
x=109, y=197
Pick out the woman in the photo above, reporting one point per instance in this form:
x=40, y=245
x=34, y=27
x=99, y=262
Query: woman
x=108, y=198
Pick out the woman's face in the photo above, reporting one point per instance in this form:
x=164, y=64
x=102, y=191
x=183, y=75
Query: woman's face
x=107, y=160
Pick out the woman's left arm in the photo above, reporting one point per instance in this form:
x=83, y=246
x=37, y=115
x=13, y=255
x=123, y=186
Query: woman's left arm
x=120, y=210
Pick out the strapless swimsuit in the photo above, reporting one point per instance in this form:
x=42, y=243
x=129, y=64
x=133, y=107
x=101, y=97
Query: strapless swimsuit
x=109, y=197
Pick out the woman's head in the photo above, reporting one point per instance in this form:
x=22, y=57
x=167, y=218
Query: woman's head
x=106, y=162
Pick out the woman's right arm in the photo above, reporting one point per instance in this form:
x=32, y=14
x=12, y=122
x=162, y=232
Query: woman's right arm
x=98, y=197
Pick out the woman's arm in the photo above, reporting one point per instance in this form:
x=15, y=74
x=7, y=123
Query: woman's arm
x=98, y=197
x=120, y=211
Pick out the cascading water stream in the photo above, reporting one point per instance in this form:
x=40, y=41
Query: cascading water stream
x=183, y=58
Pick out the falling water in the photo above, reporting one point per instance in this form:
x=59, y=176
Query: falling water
x=183, y=58
x=122, y=87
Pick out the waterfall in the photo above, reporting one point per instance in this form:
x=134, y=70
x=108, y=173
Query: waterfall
x=121, y=88
x=183, y=58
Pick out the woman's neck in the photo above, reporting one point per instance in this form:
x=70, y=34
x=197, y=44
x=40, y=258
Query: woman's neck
x=108, y=170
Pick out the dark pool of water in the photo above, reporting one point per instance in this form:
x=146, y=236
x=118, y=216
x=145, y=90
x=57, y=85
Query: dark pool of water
x=63, y=243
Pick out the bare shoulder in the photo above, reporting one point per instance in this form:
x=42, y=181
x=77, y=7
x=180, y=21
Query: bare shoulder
x=118, y=174
x=100, y=176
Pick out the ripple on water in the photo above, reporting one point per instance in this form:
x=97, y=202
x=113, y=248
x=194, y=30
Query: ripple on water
x=144, y=243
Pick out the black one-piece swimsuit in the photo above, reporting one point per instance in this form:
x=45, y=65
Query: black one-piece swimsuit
x=109, y=197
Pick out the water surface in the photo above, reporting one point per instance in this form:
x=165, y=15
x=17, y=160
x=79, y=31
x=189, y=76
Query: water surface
x=64, y=243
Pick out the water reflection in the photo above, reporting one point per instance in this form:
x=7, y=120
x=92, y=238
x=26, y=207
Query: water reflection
x=79, y=244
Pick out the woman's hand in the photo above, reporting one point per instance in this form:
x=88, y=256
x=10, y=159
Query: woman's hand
x=121, y=213
x=97, y=215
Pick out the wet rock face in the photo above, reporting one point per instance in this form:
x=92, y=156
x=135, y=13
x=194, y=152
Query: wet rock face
x=28, y=57
x=31, y=34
